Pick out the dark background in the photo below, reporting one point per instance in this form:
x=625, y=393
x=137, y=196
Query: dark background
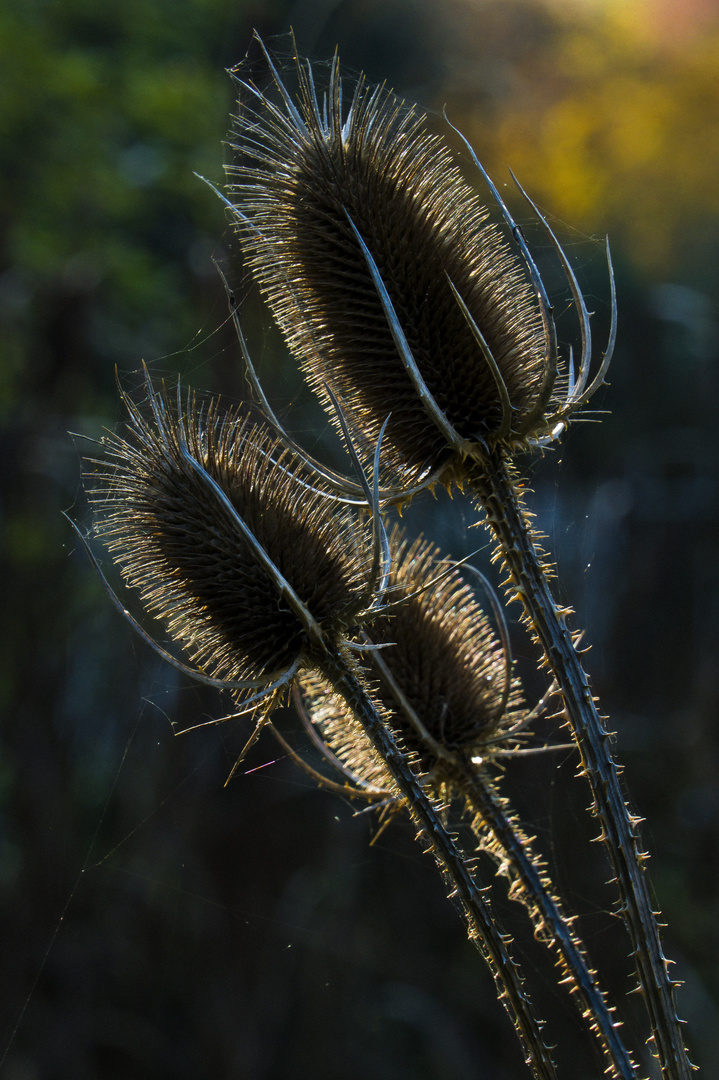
x=154, y=923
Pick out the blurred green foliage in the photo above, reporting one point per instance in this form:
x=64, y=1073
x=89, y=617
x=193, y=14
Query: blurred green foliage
x=105, y=116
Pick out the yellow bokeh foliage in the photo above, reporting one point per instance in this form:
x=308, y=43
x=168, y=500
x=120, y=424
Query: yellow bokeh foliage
x=608, y=110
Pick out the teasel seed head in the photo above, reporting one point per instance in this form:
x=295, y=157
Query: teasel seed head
x=338, y=198
x=391, y=286
x=444, y=654
x=443, y=678
x=229, y=542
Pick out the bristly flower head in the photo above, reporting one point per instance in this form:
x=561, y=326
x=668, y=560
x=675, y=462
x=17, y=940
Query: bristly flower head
x=243, y=559
x=390, y=284
x=442, y=675
x=442, y=652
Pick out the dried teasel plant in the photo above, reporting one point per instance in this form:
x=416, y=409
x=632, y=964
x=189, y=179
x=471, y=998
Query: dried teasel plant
x=260, y=574
x=445, y=681
x=202, y=512
x=392, y=287
x=401, y=300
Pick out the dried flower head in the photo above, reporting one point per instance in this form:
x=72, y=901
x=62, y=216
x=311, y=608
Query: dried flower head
x=389, y=282
x=442, y=677
x=228, y=541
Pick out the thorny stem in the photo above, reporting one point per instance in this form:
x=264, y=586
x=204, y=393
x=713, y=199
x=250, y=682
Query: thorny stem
x=483, y=929
x=551, y=926
x=492, y=484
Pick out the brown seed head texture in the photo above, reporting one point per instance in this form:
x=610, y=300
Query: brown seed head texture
x=300, y=170
x=179, y=546
x=445, y=657
x=442, y=654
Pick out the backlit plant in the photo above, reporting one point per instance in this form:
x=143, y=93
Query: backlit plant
x=426, y=330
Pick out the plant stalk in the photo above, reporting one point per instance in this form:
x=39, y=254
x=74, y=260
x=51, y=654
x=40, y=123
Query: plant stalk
x=551, y=925
x=453, y=864
x=491, y=482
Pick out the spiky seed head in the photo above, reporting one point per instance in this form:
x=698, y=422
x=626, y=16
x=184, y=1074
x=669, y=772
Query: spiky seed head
x=301, y=171
x=180, y=547
x=445, y=656
x=442, y=655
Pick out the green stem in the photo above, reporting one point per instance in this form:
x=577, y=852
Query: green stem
x=483, y=930
x=491, y=482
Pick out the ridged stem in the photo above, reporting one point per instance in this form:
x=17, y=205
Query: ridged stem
x=453, y=864
x=551, y=926
x=492, y=484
